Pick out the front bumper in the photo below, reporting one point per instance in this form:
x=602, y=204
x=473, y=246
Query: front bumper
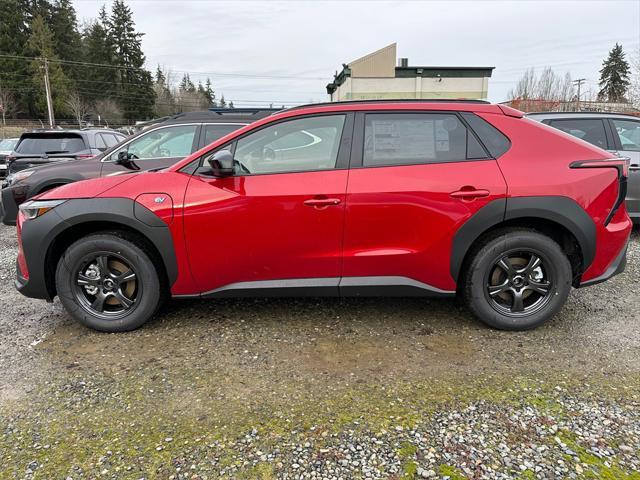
x=617, y=266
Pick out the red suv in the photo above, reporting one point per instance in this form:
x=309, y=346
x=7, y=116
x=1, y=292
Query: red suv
x=355, y=198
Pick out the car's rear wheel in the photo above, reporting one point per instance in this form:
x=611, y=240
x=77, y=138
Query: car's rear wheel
x=108, y=282
x=517, y=279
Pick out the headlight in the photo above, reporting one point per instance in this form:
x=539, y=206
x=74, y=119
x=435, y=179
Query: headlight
x=36, y=208
x=19, y=176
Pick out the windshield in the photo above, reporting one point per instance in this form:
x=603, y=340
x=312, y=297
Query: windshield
x=7, y=144
x=50, y=144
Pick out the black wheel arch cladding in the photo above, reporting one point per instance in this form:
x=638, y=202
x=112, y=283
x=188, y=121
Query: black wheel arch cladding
x=557, y=209
x=38, y=235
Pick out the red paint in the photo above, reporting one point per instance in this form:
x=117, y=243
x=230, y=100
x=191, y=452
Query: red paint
x=395, y=221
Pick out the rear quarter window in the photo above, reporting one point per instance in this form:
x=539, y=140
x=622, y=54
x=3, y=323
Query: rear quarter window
x=493, y=139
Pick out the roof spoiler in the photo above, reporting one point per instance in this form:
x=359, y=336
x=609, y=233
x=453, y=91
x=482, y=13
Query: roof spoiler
x=511, y=112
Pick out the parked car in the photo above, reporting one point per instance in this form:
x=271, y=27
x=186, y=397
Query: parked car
x=40, y=147
x=614, y=132
x=158, y=146
x=354, y=198
x=6, y=147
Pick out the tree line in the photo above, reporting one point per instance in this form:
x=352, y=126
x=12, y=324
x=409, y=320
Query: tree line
x=97, y=69
x=618, y=84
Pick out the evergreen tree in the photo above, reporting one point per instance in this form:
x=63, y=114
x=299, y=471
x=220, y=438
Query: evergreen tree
x=98, y=82
x=67, y=43
x=186, y=85
x=41, y=44
x=222, y=103
x=231, y=104
x=614, y=76
x=135, y=89
x=208, y=90
x=14, y=33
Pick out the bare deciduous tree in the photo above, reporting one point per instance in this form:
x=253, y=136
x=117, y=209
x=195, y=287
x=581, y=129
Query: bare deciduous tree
x=634, y=88
x=8, y=104
x=78, y=106
x=549, y=91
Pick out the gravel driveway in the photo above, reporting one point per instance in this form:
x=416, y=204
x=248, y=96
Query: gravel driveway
x=322, y=388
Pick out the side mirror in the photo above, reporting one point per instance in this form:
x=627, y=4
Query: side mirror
x=221, y=163
x=123, y=157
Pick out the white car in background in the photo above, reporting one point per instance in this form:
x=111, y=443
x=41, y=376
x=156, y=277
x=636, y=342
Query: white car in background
x=6, y=147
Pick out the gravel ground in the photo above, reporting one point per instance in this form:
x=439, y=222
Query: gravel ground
x=322, y=388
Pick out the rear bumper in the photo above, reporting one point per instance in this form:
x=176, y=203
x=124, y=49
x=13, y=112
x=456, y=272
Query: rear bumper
x=617, y=266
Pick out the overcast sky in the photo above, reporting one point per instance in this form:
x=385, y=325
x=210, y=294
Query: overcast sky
x=286, y=52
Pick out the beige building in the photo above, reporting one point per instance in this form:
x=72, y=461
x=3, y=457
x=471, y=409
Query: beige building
x=376, y=76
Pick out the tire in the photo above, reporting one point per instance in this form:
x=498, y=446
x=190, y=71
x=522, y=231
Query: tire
x=94, y=282
x=504, y=287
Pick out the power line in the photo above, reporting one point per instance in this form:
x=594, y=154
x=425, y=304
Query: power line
x=142, y=69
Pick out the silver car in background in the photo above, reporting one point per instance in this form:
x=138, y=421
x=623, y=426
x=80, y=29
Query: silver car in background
x=615, y=132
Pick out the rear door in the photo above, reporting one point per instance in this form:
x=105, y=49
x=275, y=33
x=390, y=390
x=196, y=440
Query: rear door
x=158, y=148
x=415, y=178
x=627, y=137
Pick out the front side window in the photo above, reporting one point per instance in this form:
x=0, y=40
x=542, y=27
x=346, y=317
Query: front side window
x=589, y=130
x=415, y=138
x=629, y=133
x=161, y=143
x=304, y=144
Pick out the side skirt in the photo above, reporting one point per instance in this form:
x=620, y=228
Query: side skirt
x=386, y=286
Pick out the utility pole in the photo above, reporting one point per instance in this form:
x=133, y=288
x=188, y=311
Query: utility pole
x=47, y=88
x=579, y=83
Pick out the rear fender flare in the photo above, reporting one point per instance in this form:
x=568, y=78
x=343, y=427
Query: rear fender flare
x=561, y=210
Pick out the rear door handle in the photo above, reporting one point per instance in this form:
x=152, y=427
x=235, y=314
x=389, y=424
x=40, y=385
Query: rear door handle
x=470, y=193
x=322, y=202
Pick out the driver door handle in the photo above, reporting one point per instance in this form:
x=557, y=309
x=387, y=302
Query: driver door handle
x=321, y=202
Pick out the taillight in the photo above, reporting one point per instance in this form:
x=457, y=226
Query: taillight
x=621, y=164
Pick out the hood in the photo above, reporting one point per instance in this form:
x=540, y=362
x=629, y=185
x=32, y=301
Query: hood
x=85, y=188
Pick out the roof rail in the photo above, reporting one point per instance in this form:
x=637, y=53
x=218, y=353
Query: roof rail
x=390, y=100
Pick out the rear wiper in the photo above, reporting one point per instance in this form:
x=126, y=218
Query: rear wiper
x=53, y=152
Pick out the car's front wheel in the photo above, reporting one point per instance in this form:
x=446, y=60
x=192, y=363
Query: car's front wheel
x=517, y=279
x=108, y=282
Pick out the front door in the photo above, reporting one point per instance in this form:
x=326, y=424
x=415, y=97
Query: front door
x=277, y=223
x=415, y=179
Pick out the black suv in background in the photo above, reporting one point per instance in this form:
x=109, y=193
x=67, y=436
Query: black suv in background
x=40, y=147
x=158, y=146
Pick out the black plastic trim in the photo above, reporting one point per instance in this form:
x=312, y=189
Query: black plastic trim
x=388, y=286
x=39, y=234
x=561, y=210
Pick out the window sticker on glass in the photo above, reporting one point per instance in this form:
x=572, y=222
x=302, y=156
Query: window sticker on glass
x=412, y=139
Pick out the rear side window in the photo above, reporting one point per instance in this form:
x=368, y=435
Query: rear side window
x=51, y=144
x=492, y=138
x=415, y=138
x=110, y=139
x=629, y=134
x=588, y=129
x=214, y=132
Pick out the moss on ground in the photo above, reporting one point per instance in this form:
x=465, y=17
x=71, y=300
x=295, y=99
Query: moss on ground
x=136, y=424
